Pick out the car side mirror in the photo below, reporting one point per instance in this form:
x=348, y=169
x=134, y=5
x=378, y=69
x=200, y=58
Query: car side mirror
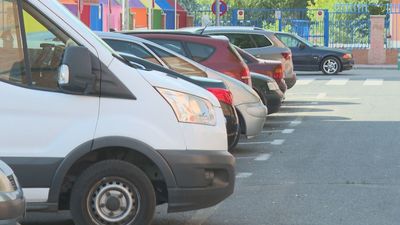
x=75, y=73
x=302, y=46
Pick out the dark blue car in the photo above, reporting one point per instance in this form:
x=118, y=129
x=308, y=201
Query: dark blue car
x=309, y=57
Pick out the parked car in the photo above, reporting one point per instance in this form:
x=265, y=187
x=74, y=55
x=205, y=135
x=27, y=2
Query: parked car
x=251, y=111
x=259, y=42
x=219, y=55
x=269, y=91
x=101, y=138
x=12, y=201
x=270, y=68
x=310, y=57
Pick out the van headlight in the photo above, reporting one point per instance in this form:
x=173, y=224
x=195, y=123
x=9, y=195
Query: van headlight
x=7, y=184
x=189, y=108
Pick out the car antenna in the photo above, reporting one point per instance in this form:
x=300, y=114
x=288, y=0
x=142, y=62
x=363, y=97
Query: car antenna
x=204, y=29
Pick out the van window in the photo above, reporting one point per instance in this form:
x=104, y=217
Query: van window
x=175, y=46
x=200, y=52
x=261, y=40
x=12, y=62
x=241, y=40
x=46, y=44
x=132, y=49
x=177, y=64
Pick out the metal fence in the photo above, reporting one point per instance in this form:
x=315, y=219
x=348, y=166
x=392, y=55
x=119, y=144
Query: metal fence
x=346, y=26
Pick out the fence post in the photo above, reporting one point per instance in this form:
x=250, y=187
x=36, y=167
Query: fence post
x=398, y=59
x=280, y=24
x=326, y=28
x=234, y=17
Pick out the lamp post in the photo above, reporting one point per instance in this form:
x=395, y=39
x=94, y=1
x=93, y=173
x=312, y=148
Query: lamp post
x=217, y=11
x=175, y=7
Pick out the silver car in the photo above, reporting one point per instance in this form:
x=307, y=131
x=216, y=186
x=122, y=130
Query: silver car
x=252, y=112
x=261, y=43
x=12, y=202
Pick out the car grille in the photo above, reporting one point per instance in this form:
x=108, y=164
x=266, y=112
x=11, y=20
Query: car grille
x=13, y=182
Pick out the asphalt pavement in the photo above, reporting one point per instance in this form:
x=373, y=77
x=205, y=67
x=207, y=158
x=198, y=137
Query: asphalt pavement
x=331, y=156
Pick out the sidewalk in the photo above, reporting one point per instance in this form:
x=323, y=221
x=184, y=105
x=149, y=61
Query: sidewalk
x=375, y=67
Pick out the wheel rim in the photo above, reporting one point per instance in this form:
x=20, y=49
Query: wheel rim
x=113, y=201
x=330, y=66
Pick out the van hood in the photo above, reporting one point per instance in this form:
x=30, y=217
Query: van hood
x=163, y=80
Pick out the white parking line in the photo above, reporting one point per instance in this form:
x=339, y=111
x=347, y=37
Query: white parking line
x=321, y=95
x=304, y=81
x=278, y=142
x=287, y=131
x=255, y=143
x=335, y=82
x=295, y=123
x=243, y=175
x=263, y=157
x=373, y=82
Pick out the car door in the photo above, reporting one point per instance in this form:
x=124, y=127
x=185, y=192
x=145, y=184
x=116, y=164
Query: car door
x=303, y=56
x=40, y=124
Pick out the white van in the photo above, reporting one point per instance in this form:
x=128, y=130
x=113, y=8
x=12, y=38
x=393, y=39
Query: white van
x=84, y=131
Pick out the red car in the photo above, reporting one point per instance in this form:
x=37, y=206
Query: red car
x=216, y=54
x=271, y=68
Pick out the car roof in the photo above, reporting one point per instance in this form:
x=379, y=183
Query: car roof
x=173, y=32
x=227, y=29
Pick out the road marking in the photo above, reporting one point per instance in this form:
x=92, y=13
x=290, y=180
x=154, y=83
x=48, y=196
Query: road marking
x=287, y=131
x=336, y=82
x=321, y=95
x=243, y=175
x=255, y=143
x=304, y=81
x=314, y=103
x=295, y=123
x=373, y=82
x=263, y=157
x=278, y=142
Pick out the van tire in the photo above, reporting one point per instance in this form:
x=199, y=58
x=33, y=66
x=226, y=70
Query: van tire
x=113, y=190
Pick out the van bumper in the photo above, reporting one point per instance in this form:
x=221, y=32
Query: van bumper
x=203, y=178
x=12, y=207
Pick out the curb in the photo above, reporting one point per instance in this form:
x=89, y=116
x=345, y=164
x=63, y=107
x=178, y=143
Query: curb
x=375, y=67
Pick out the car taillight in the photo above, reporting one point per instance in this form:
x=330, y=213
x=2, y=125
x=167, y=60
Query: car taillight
x=287, y=55
x=347, y=56
x=222, y=95
x=245, y=75
x=278, y=72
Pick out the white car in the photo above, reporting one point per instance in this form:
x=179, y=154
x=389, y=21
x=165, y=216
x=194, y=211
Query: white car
x=252, y=112
x=85, y=131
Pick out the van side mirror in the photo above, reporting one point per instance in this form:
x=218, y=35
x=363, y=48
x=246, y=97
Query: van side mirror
x=302, y=46
x=75, y=73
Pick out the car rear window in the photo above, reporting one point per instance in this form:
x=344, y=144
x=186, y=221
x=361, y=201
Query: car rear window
x=175, y=46
x=241, y=40
x=261, y=40
x=177, y=64
x=200, y=52
x=132, y=49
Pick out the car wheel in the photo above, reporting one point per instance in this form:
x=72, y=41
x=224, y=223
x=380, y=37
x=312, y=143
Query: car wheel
x=331, y=66
x=236, y=140
x=113, y=192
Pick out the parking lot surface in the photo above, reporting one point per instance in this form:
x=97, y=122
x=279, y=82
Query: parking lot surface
x=329, y=157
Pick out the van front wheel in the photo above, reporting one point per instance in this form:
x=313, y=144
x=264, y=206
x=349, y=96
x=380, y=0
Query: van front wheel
x=113, y=192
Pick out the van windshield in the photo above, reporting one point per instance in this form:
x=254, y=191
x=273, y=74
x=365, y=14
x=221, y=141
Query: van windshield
x=75, y=20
